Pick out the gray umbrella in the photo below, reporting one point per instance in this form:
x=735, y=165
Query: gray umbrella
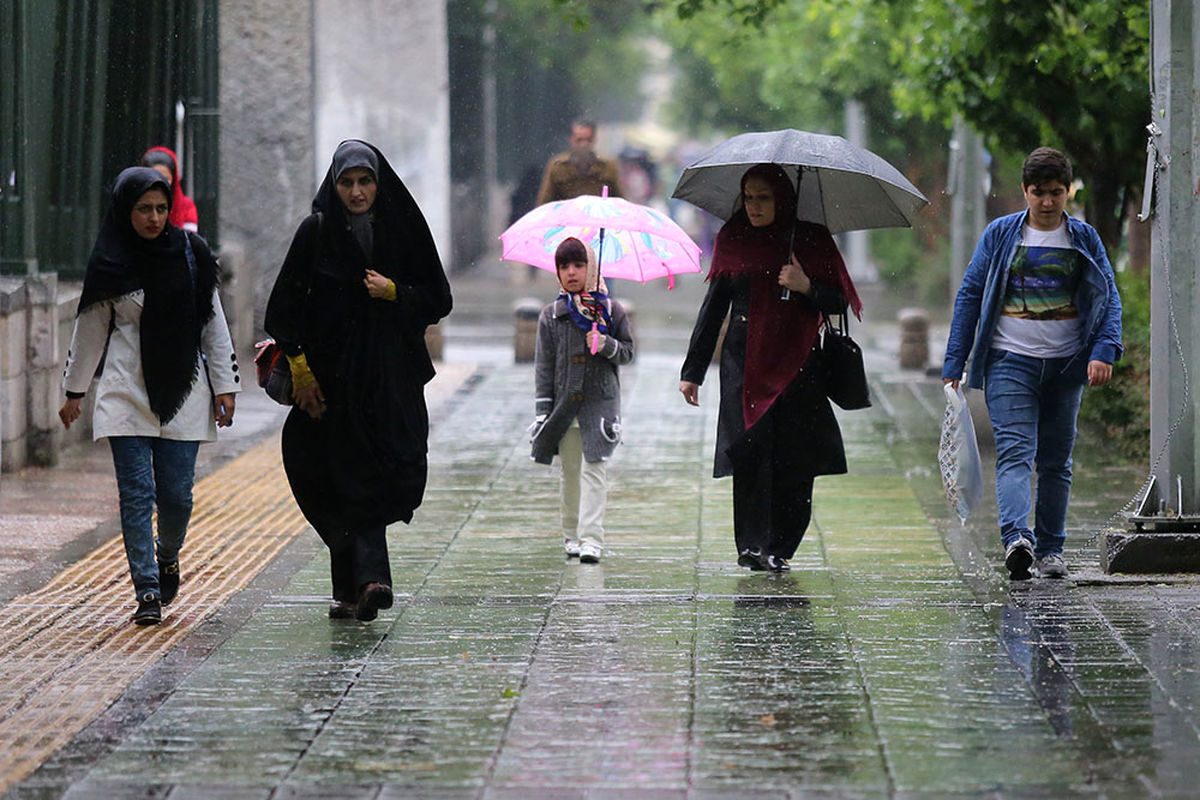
x=845, y=188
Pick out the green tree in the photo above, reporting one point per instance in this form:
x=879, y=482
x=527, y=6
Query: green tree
x=1070, y=73
x=795, y=65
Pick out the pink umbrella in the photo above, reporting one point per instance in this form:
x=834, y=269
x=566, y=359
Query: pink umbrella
x=631, y=241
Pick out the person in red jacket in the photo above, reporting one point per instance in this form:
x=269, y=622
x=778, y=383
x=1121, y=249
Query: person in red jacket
x=183, y=210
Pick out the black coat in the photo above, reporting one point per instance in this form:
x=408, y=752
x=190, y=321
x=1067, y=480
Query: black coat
x=800, y=427
x=363, y=463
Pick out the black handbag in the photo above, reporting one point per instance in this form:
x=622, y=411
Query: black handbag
x=845, y=375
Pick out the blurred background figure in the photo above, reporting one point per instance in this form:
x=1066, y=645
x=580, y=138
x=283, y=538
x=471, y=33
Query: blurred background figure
x=579, y=170
x=639, y=175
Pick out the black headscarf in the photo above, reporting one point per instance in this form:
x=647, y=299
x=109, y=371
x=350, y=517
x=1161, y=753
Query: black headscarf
x=175, y=307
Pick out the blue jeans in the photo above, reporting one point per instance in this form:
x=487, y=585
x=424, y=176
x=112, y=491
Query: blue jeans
x=153, y=471
x=1033, y=403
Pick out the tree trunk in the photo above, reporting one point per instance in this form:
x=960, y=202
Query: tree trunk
x=1104, y=207
x=1138, y=238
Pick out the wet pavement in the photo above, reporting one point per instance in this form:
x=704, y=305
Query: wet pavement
x=896, y=660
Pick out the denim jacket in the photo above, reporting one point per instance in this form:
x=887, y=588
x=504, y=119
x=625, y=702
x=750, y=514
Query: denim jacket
x=981, y=297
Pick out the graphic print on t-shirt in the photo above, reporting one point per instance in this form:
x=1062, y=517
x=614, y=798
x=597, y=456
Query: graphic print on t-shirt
x=1042, y=283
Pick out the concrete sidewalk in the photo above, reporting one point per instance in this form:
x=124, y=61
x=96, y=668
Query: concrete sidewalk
x=895, y=660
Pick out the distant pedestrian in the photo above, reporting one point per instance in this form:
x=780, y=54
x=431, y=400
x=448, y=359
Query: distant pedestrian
x=1039, y=314
x=582, y=338
x=150, y=295
x=183, y=210
x=579, y=170
x=775, y=429
x=359, y=285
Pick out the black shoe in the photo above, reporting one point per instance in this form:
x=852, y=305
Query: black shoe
x=373, y=597
x=752, y=558
x=149, y=610
x=777, y=564
x=1018, y=558
x=168, y=580
x=341, y=610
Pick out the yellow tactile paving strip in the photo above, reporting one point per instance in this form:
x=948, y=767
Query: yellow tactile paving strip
x=68, y=650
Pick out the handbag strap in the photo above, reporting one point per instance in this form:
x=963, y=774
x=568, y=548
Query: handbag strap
x=843, y=325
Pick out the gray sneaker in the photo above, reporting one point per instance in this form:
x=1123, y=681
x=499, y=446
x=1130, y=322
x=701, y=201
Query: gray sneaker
x=1018, y=558
x=1052, y=566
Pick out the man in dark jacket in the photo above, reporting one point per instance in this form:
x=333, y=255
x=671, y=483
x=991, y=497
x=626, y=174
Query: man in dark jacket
x=579, y=170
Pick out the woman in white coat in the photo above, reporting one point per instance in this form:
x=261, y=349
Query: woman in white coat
x=169, y=378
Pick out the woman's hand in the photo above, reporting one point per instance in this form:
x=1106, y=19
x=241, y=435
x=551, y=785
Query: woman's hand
x=223, y=405
x=952, y=381
x=70, y=411
x=377, y=285
x=793, y=277
x=310, y=399
x=690, y=392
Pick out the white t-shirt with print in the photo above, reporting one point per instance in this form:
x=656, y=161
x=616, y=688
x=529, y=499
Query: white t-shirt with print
x=1038, y=316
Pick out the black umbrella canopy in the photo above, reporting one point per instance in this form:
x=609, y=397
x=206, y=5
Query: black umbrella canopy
x=843, y=186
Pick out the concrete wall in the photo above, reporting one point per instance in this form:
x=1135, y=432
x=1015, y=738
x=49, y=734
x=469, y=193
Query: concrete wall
x=267, y=148
x=299, y=77
x=30, y=371
x=382, y=75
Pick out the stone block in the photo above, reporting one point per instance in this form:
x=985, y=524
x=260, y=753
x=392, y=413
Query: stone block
x=435, y=341
x=1144, y=551
x=13, y=342
x=525, y=313
x=13, y=419
x=914, y=338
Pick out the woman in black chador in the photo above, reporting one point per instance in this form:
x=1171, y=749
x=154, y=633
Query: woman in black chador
x=775, y=429
x=360, y=283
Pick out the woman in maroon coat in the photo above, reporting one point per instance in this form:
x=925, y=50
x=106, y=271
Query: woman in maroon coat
x=776, y=430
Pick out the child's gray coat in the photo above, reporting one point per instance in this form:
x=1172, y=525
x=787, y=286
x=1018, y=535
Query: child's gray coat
x=571, y=382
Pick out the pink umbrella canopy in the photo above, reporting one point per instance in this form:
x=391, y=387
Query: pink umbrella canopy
x=639, y=243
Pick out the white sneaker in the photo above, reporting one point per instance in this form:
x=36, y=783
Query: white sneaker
x=571, y=547
x=589, y=553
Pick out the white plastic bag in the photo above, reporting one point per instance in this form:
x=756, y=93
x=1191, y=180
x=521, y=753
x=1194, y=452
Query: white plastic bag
x=958, y=455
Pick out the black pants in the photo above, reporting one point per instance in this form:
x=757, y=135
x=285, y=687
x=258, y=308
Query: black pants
x=357, y=549
x=771, y=509
x=355, y=559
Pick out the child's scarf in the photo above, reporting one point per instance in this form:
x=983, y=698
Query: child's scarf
x=590, y=308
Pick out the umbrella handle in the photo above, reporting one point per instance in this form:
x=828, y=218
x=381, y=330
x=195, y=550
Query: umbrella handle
x=786, y=294
x=594, y=338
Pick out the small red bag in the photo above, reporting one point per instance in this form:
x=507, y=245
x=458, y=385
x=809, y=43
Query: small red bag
x=272, y=371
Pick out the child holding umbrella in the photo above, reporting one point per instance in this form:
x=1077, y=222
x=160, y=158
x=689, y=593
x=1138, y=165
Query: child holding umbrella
x=582, y=338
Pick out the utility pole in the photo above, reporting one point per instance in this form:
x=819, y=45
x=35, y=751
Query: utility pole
x=967, y=186
x=1164, y=531
x=857, y=245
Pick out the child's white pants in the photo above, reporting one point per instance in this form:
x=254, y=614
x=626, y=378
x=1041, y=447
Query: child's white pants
x=584, y=491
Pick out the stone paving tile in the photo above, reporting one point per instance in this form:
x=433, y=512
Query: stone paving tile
x=895, y=661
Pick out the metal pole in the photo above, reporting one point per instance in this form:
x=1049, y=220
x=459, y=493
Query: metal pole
x=1163, y=533
x=1175, y=237
x=490, y=160
x=967, y=189
x=857, y=243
